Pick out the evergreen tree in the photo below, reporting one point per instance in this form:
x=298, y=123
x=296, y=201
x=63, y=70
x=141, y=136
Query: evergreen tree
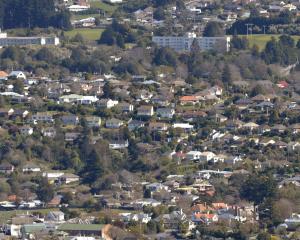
x=226, y=75
x=45, y=192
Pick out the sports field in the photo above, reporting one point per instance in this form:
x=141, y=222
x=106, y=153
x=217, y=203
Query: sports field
x=91, y=34
x=261, y=39
x=108, y=8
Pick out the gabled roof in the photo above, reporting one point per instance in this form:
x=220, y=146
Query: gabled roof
x=188, y=98
x=3, y=74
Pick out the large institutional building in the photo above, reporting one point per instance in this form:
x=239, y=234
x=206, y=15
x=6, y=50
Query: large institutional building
x=21, y=41
x=184, y=43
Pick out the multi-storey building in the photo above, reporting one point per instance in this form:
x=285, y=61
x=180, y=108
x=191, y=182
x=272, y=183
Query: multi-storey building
x=184, y=43
x=20, y=41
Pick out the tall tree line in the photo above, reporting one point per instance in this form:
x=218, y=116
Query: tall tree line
x=32, y=13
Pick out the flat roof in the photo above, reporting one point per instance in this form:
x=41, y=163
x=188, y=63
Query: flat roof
x=80, y=227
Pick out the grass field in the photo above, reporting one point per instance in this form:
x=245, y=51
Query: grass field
x=260, y=40
x=88, y=33
x=108, y=8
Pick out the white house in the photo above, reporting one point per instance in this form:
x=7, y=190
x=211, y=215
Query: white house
x=107, y=103
x=29, y=168
x=79, y=99
x=17, y=74
x=55, y=216
x=26, y=130
x=52, y=176
x=68, y=178
x=77, y=8
x=136, y=217
x=118, y=144
x=49, y=132
x=193, y=155
x=185, y=126
x=114, y=1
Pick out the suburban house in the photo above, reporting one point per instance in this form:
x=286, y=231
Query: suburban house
x=136, y=217
x=78, y=99
x=125, y=107
x=113, y=123
x=17, y=74
x=42, y=117
x=172, y=220
x=156, y=187
x=188, y=100
x=161, y=100
x=165, y=112
x=93, y=121
x=26, y=130
x=52, y=175
x=206, y=156
x=19, y=113
x=135, y=124
x=158, y=126
x=6, y=112
x=3, y=76
x=68, y=178
x=204, y=218
x=30, y=168
x=107, y=103
x=118, y=144
x=70, y=119
x=55, y=216
x=193, y=155
x=6, y=168
x=72, y=136
x=49, y=132
x=145, y=111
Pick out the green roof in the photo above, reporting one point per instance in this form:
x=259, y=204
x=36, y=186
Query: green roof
x=31, y=228
x=80, y=227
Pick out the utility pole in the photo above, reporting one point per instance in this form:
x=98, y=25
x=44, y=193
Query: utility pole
x=264, y=26
x=249, y=25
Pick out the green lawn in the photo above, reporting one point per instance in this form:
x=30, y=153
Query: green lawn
x=108, y=8
x=91, y=34
x=260, y=39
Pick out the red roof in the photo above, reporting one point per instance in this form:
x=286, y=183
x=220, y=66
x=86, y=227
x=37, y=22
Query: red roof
x=188, y=98
x=282, y=84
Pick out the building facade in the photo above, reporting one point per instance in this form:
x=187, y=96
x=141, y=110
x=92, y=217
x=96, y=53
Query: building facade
x=184, y=43
x=21, y=41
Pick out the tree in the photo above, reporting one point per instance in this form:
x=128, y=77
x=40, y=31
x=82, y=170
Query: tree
x=45, y=191
x=257, y=188
x=226, y=75
x=239, y=43
x=18, y=86
x=213, y=29
x=44, y=54
x=33, y=13
x=298, y=44
x=159, y=14
x=165, y=56
x=258, y=89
